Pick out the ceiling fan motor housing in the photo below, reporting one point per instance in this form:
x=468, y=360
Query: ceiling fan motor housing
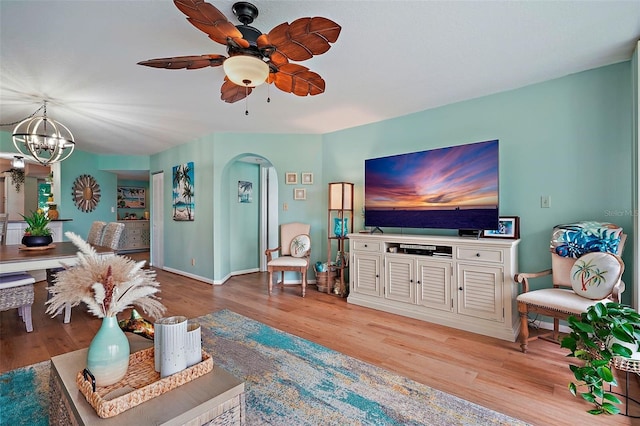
x=245, y=12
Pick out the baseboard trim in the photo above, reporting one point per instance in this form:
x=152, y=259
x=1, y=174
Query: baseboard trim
x=186, y=274
x=545, y=325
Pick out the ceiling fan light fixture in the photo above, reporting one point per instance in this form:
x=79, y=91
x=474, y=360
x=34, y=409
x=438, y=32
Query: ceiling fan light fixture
x=246, y=70
x=44, y=139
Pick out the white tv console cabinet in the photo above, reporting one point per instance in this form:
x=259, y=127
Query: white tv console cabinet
x=458, y=282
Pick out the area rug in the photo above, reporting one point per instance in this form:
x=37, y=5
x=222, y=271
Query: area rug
x=288, y=380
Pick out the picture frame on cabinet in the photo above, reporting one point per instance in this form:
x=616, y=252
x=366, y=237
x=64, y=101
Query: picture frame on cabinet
x=291, y=178
x=299, y=194
x=509, y=227
x=307, y=178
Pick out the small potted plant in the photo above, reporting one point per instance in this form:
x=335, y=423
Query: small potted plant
x=37, y=233
x=598, y=337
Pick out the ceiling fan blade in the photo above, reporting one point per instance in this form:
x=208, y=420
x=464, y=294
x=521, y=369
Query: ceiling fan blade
x=208, y=19
x=278, y=59
x=231, y=92
x=304, y=37
x=187, y=62
x=299, y=80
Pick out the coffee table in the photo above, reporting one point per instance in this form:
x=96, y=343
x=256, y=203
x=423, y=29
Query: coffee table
x=216, y=398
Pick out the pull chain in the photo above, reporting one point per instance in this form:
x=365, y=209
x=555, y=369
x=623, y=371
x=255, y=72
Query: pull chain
x=246, y=100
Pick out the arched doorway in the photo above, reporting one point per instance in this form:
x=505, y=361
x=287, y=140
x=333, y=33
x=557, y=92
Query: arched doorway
x=253, y=220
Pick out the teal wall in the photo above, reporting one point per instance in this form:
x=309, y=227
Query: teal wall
x=208, y=238
x=569, y=138
x=244, y=218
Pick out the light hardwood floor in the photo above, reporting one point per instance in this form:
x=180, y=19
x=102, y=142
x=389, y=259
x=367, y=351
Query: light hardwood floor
x=490, y=372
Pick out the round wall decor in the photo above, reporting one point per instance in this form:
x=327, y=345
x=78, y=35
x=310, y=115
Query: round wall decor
x=86, y=193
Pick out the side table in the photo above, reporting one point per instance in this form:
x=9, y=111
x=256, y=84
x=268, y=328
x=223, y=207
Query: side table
x=216, y=398
x=628, y=366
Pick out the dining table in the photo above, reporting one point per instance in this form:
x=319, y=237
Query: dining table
x=18, y=258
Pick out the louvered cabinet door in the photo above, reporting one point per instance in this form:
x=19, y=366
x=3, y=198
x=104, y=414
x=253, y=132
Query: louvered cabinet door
x=399, y=283
x=366, y=274
x=434, y=284
x=479, y=291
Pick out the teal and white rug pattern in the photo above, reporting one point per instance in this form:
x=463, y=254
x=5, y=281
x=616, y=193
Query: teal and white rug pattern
x=288, y=381
x=292, y=381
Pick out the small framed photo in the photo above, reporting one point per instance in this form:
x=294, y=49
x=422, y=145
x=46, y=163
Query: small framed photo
x=307, y=178
x=299, y=194
x=508, y=227
x=291, y=178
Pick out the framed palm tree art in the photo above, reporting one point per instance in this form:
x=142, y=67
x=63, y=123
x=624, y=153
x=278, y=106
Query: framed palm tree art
x=183, y=192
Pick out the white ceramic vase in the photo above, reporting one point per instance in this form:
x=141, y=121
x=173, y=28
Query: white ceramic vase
x=170, y=338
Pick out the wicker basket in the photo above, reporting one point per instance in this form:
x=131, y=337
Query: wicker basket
x=325, y=278
x=141, y=384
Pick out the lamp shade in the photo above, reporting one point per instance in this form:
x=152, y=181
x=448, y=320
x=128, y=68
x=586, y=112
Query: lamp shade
x=341, y=196
x=246, y=70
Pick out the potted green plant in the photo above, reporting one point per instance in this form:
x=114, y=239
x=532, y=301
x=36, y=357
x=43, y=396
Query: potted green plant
x=597, y=337
x=37, y=232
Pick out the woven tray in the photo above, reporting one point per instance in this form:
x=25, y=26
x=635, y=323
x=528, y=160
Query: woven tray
x=141, y=384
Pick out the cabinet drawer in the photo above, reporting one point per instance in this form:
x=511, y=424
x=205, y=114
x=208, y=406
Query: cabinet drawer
x=482, y=255
x=366, y=246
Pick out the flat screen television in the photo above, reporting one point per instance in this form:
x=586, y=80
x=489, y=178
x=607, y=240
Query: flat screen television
x=447, y=188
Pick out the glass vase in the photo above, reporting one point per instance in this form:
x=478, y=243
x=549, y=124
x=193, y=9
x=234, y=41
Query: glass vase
x=108, y=355
x=340, y=226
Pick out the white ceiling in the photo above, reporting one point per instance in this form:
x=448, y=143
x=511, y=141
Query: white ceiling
x=392, y=58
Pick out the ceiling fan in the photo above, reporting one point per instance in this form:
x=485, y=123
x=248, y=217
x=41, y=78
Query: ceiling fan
x=253, y=57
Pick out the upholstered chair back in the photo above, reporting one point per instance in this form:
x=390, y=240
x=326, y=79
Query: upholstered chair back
x=288, y=232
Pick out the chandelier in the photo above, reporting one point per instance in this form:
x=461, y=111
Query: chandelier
x=42, y=138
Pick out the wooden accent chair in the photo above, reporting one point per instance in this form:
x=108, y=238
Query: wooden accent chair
x=294, y=252
x=564, y=299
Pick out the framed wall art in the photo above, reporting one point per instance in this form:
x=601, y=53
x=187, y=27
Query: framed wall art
x=183, y=192
x=291, y=178
x=299, y=194
x=131, y=197
x=508, y=227
x=245, y=191
x=307, y=178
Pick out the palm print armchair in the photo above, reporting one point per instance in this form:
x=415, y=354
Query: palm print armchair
x=586, y=268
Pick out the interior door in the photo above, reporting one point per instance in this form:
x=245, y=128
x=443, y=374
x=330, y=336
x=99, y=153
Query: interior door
x=157, y=221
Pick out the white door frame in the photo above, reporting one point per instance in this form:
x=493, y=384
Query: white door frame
x=157, y=221
x=268, y=212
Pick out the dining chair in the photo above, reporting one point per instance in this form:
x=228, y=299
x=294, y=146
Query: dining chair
x=111, y=236
x=96, y=232
x=16, y=291
x=95, y=236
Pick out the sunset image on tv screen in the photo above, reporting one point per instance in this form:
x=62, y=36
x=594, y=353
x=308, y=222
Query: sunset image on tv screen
x=453, y=187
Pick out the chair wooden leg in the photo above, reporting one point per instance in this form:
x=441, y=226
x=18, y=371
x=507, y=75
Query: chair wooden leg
x=556, y=329
x=304, y=283
x=282, y=280
x=524, y=330
x=270, y=282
